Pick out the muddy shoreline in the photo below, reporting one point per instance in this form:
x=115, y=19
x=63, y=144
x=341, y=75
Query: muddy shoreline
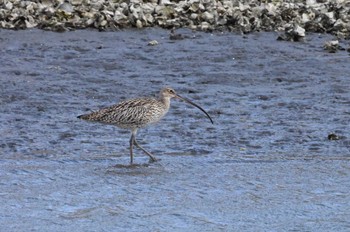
x=265, y=165
x=292, y=17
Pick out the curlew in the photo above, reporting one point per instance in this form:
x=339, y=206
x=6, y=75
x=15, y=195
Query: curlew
x=137, y=113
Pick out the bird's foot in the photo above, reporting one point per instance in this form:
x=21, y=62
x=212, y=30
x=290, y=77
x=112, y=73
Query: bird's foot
x=153, y=160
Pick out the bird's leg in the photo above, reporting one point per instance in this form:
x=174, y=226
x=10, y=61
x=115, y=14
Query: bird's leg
x=132, y=142
x=131, y=145
x=132, y=139
x=149, y=154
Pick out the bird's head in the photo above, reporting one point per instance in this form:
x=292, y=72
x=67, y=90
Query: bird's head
x=168, y=93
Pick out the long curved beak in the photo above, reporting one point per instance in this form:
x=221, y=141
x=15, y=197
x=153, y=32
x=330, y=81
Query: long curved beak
x=190, y=102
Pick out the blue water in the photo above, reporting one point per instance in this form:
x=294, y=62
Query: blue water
x=265, y=164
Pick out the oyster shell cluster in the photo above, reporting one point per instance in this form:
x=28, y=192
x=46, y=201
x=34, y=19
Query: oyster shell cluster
x=294, y=17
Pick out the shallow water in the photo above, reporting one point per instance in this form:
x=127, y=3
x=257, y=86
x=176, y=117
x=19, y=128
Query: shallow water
x=265, y=165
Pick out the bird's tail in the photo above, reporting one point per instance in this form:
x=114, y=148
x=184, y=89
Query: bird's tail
x=83, y=116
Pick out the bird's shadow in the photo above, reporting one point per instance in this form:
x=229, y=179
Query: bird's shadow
x=131, y=166
x=134, y=169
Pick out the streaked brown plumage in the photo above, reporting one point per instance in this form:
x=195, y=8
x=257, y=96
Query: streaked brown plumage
x=137, y=113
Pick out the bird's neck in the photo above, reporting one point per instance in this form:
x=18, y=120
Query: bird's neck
x=165, y=101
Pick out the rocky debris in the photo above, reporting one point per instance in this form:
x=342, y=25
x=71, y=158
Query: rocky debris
x=333, y=136
x=332, y=46
x=293, y=17
x=177, y=36
x=292, y=33
x=152, y=43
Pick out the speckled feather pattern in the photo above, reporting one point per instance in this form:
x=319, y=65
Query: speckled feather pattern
x=130, y=114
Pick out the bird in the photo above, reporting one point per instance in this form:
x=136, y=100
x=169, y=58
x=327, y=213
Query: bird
x=137, y=113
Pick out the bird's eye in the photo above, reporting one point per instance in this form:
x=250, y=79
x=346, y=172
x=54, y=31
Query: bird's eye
x=171, y=91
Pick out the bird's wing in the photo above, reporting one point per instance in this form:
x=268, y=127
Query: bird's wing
x=131, y=113
x=135, y=111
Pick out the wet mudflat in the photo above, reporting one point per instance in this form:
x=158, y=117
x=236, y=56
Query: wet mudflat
x=265, y=165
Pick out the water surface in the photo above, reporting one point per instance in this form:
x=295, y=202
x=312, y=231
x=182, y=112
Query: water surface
x=265, y=165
